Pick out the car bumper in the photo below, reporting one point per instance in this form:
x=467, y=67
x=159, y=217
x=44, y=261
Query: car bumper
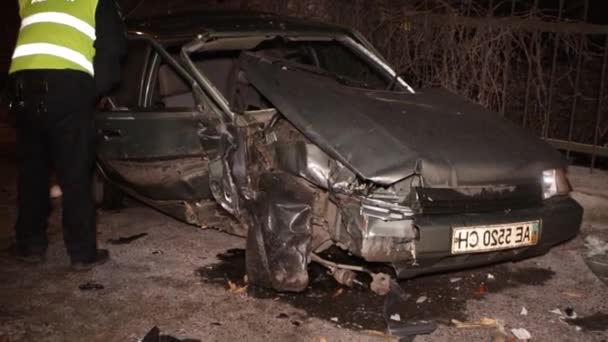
x=561, y=220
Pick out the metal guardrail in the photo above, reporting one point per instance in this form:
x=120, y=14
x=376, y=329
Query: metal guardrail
x=573, y=146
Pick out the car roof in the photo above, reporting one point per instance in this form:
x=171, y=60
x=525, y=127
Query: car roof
x=185, y=26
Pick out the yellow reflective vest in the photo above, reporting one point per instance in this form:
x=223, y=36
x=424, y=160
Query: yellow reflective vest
x=55, y=34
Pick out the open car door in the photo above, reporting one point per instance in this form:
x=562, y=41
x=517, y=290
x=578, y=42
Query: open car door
x=152, y=140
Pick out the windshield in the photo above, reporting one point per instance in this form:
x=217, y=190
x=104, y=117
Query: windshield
x=218, y=62
x=330, y=58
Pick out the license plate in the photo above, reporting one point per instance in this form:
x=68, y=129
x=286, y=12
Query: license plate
x=495, y=237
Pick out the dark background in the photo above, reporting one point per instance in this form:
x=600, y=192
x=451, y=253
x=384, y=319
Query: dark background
x=598, y=14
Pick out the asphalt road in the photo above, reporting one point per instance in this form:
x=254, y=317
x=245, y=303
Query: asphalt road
x=188, y=282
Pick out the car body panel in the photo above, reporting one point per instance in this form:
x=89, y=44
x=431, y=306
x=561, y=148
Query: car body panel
x=560, y=217
x=387, y=136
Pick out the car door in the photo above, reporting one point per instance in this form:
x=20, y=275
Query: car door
x=153, y=139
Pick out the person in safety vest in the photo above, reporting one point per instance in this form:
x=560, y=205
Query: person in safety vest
x=68, y=53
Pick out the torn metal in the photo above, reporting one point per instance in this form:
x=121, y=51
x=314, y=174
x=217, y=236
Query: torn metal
x=280, y=234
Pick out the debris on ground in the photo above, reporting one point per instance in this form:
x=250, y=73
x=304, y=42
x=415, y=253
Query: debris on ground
x=404, y=330
x=484, y=322
x=381, y=283
x=126, y=240
x=572, y=294
x=570, y=313
x=595, y=322
x=491, y=276
x=397, y=326
x=598, y=264
x=455, y=280
x=334, y=319
x=91, y=286
x=524, y=311
x=557, y=312
x=421, y=299
x=595, y=246
x=338, y=292
x=235, y=289
x=597, y=257
x=282, y=315
x=376, y=333
x=154, y=336
x=481, y=289
x=521, y=334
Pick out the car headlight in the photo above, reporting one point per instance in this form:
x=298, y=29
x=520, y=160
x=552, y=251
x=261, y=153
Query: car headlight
x=555, y=183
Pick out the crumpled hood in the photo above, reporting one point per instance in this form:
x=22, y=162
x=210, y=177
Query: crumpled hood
x=386, y=136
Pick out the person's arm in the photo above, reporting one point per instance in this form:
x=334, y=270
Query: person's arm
x=110, y=46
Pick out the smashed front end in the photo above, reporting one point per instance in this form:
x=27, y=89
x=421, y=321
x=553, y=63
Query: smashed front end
x=390, y=177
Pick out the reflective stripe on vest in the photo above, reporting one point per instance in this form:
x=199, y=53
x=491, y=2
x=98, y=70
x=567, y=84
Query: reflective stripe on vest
x=54, y=50
x=60, y=18
x=56, y=34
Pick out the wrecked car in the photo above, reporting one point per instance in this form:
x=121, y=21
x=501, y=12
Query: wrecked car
x=308, y=138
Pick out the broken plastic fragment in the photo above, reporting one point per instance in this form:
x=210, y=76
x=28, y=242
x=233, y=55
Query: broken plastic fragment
x=570, y=313
x=481, y=289
x=491, y=276
x=396, y=317
x=421, y=300
x=334, y=319
x=455, y=280
x=484, y=322
x=521, y=334
x=524, y=311
x=572, y=294
x=234, y=288
x=595, y=246
x=557, y=312
x=380, y=283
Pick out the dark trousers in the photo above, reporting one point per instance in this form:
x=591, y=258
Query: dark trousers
x=54, y=114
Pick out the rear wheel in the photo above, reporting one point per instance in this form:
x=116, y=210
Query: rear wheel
x=106, y=195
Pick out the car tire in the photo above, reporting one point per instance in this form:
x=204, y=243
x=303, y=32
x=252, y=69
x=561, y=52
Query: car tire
x=106, y=195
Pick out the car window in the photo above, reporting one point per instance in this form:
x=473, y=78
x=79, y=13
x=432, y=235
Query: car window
x=337, y=58
x=169, y=88
x=126, y=94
